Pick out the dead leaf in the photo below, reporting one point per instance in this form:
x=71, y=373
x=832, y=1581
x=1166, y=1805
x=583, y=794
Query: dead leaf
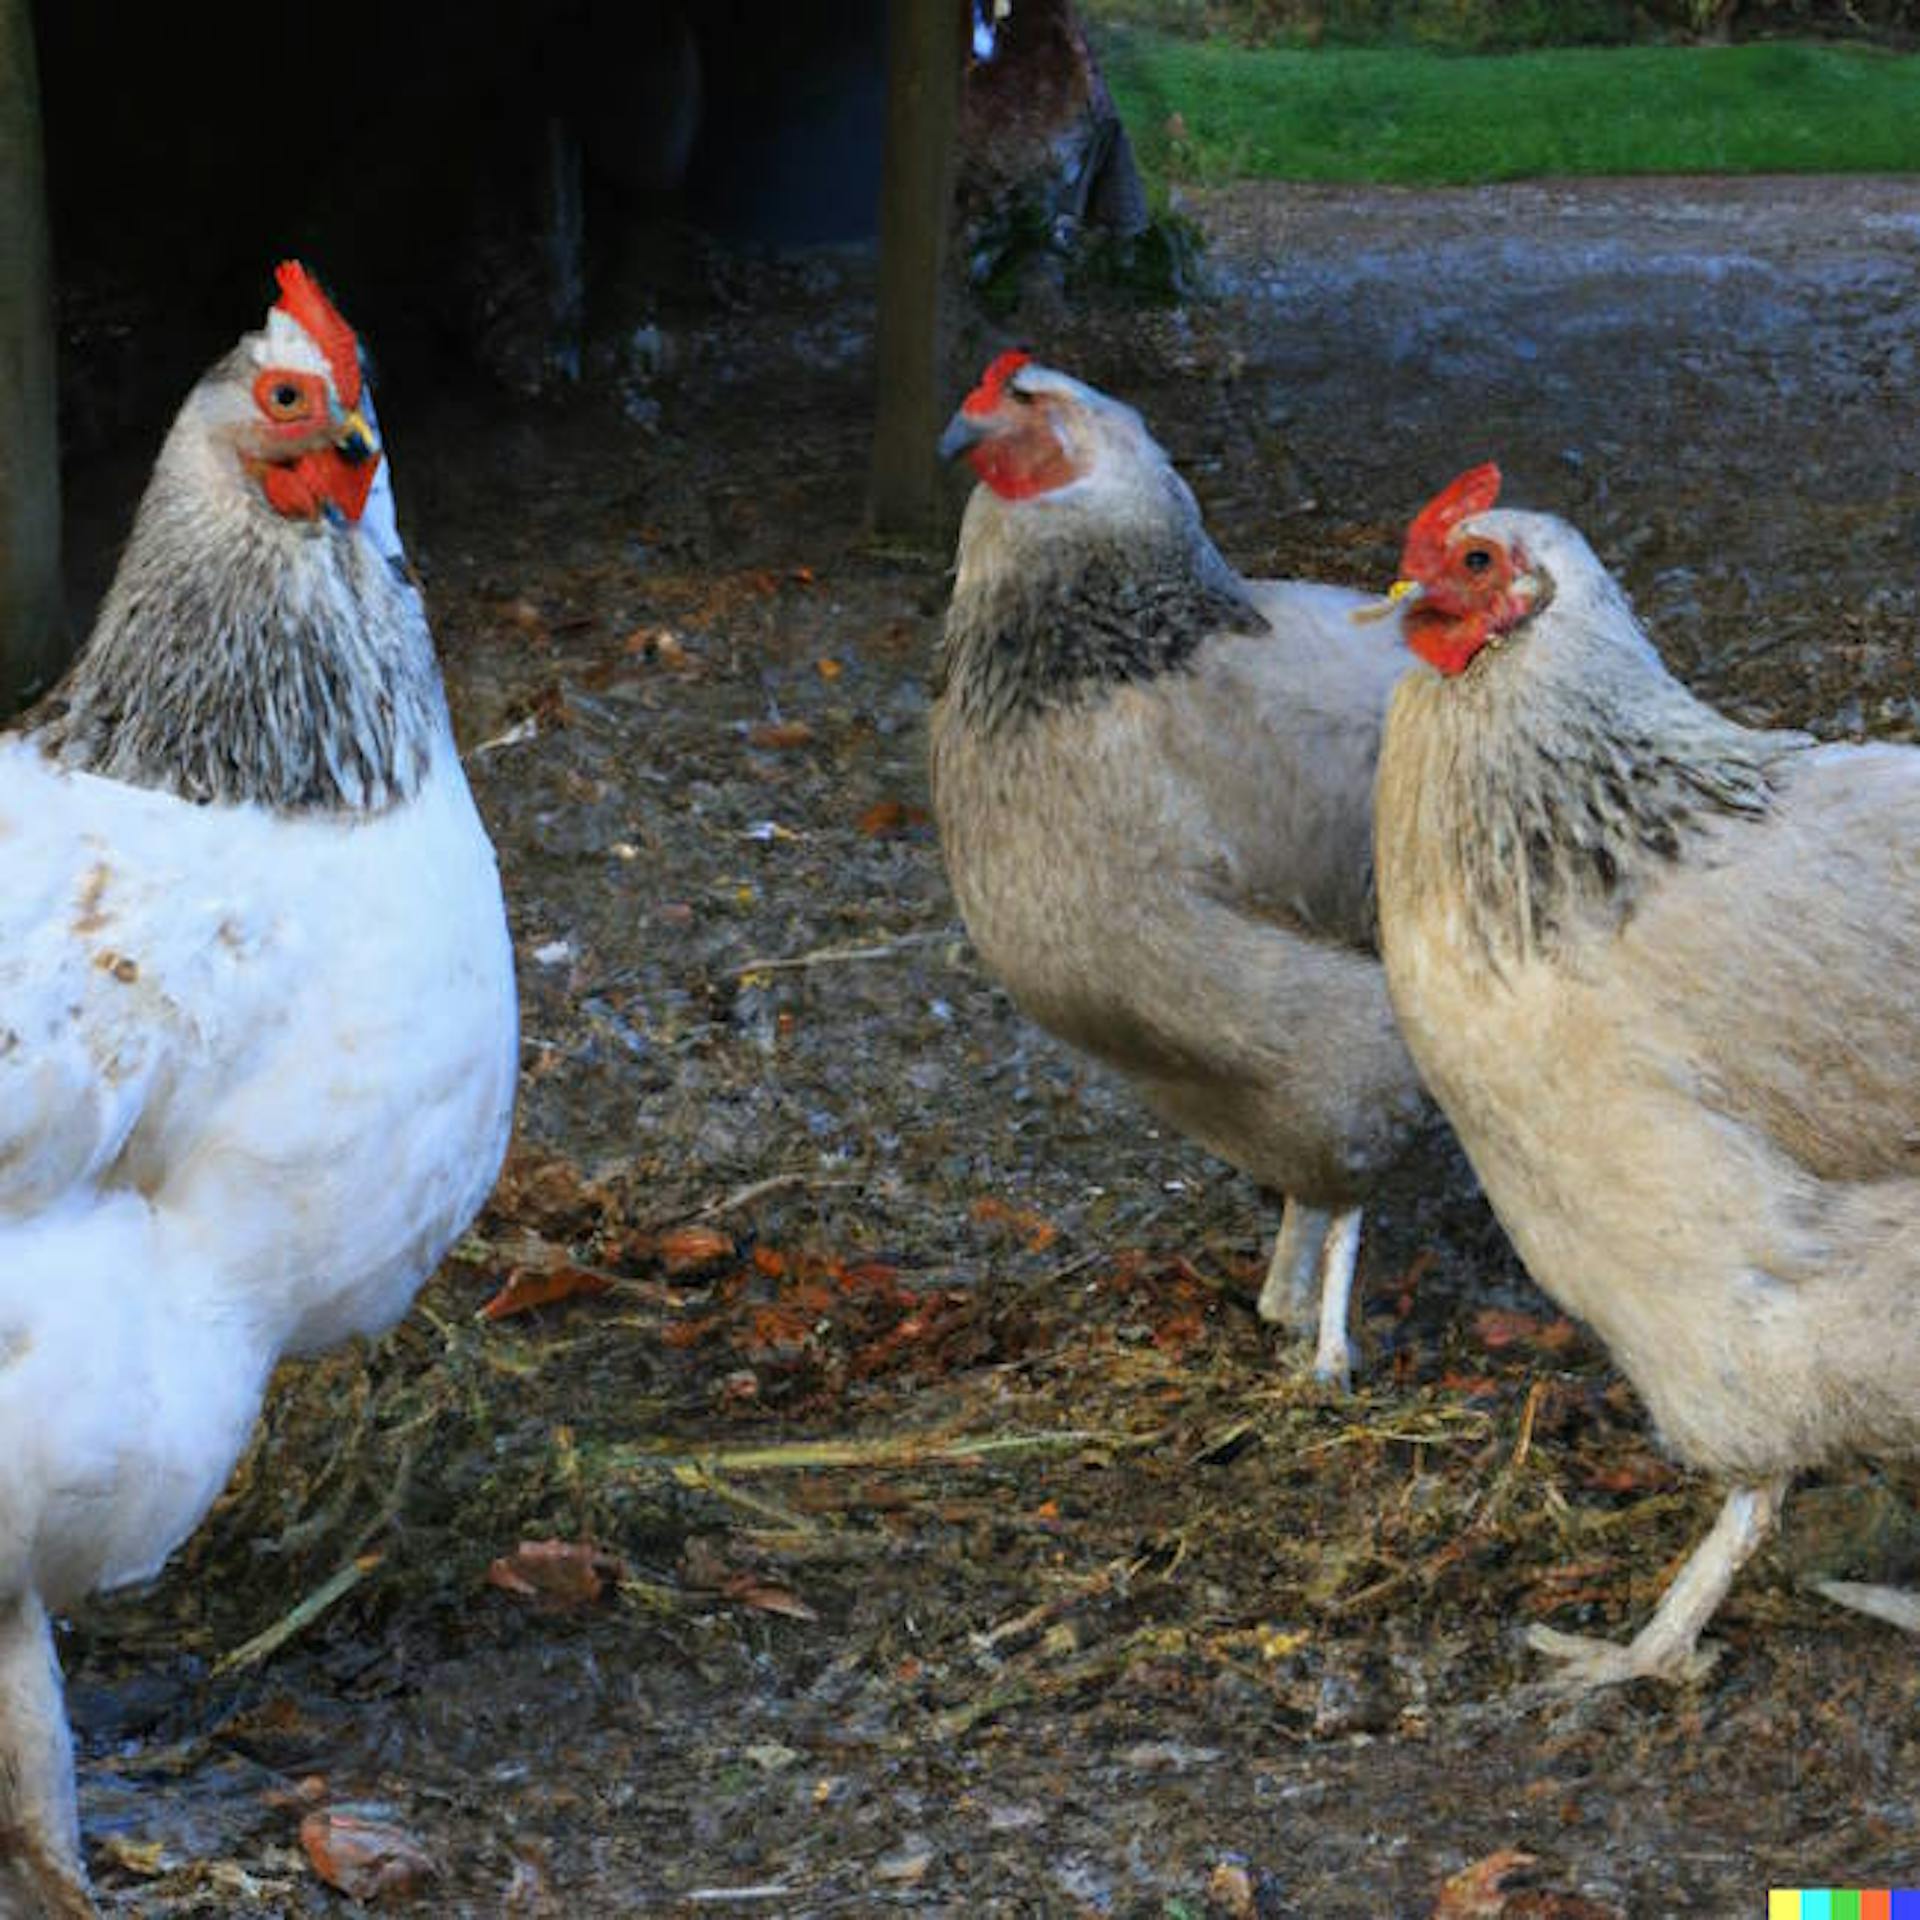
x=147, y=1858
x=1178, y=1331
x=544, y=1189
x=528, y=1287
x=661, y=645
x=766, y=1596
x=885, y=818
x=1480, y=1891
x=1230, y=1888
x=364, y=1857
x=686, y=1249
x=556, y=1575
x=1498, y=1327
x=776, y=734
x=1038, y=1232
x=1637, y=1473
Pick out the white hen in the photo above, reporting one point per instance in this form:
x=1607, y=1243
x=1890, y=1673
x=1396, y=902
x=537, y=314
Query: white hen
x=257, y=1021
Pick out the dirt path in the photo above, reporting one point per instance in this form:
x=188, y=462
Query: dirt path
x=1095, y=1608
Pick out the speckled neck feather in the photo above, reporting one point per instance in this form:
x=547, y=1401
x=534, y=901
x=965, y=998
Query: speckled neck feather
x=1065, y=623
x=240, y=656
x=1568, y=793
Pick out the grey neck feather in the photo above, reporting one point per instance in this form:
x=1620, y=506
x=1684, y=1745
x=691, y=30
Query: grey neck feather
x=1055, y=608
x=243, y=657
x=1577, y=770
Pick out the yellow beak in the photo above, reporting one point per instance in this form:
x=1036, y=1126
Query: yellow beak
x=356, y=439
x=1383, y=609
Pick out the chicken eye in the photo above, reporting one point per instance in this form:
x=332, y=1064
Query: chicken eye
x=281, y=397
x=1476, y=559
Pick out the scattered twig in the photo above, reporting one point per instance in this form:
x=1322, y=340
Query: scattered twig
x=1428, y=1569
x=755, y=1190
x=1078, y=1264
x=522, y=730
x=262, y=1645
x=893, y=1450
x=954, y=1721
x=1536, y=1395
x=1406, y=1436
x=835, y=956
x=1097, y=1584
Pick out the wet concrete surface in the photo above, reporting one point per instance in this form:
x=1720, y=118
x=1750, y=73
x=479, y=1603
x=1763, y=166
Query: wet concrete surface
x=1196, y=1639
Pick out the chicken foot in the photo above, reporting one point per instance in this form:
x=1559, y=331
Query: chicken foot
x=1891, y=1604
x=1309, y=1284
x=40, y=1870
x=1668, y=1646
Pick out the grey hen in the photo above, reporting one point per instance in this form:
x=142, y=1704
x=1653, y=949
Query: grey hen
x=1153, y=781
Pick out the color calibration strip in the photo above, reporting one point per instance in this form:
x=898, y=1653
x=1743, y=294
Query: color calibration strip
x=1843, y=1903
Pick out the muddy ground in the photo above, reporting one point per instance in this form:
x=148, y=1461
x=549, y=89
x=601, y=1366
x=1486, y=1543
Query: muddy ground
x=967, y=1548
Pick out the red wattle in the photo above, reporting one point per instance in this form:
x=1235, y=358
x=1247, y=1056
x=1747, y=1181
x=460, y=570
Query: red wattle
x=1447, y=641
x=1019, y=465
x=302, y=489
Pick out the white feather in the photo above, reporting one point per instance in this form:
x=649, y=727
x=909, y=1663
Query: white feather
x=256, y=1071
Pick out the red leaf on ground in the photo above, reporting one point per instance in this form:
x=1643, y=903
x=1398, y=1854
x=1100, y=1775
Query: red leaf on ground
x=556, y=1575
x=1479, y=1891
x=365, y=1858
x=888, y=817
x=1498, y=1327
x=777, y=1332
x=1038, y=1232
x=1178, y=1331
x=528, y=1287
x=685, y=1249
x=689, y=1333
x=1637, y=1473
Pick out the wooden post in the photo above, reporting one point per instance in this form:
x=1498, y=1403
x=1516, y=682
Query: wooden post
x=33, y=631
x=926, y=53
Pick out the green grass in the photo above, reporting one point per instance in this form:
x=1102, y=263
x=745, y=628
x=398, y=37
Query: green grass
x=1424, y=119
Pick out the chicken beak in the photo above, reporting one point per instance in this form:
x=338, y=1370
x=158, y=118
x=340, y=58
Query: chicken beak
x=962, y=432
x=1402, y=594
x=356, y=440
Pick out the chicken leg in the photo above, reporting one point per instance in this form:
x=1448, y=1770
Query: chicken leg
x=1287, y=1297
x=1891, y=1604
x=1309, y=1284
x=40, y=1870
x=1668, y=1646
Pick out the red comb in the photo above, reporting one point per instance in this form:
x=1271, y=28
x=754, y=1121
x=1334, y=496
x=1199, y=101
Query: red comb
x=986, y=396
x=301, y=300
x=1473, y=492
